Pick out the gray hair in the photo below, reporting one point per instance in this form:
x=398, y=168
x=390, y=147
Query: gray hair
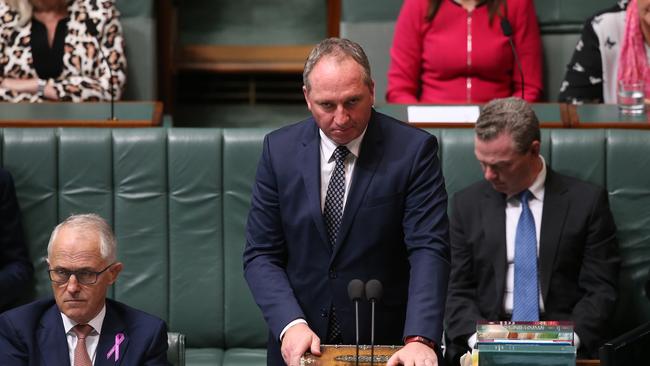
x=509, y=115
x=340, y=48
x=93, y=223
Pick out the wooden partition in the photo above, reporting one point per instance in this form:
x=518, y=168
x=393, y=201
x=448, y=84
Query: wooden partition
x=91, y=114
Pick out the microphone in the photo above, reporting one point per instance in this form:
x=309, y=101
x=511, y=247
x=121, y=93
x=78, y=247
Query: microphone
x=92, y=29
x=374, y=290
x=355, y=292
x=507, y=31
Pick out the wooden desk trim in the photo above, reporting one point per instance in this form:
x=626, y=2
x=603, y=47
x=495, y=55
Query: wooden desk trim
x=242, y=59
x=155, y=121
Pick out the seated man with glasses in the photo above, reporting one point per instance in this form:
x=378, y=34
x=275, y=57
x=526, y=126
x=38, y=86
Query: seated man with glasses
x=80, y=326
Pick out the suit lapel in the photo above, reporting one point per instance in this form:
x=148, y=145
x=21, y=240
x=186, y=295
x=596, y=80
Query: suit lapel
x=112, y=327
x=52, y=340
x=494, y=221
x=310, y=168
x=553, y=217
x=370, y=155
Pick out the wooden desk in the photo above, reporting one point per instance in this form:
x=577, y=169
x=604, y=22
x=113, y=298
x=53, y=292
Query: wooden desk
x=606, y=116
x=344, y=355
x=91, y=114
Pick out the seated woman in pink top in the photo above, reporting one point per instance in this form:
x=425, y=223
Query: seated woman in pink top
x=455, y=51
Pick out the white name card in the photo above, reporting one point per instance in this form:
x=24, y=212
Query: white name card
x=449, y=114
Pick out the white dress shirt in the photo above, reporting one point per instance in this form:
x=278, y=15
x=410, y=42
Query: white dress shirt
x=92, y=339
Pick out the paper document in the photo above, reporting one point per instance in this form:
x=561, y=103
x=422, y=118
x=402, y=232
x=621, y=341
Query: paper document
x=449, y=114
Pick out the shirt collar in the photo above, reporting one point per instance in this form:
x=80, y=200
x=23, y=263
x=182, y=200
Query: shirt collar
x=328, y=145
x=95, y=322
x=537, y=188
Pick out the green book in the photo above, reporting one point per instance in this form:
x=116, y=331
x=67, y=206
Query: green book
x=507, y=354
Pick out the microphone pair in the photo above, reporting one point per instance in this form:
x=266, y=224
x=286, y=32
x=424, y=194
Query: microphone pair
x=372, y=291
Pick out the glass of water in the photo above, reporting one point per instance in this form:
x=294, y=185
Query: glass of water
x=631, y=97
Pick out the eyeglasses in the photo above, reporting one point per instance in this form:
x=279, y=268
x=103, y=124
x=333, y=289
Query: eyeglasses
x=62, y=276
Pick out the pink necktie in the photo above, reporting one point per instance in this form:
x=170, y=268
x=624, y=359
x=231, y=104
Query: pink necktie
x=81, y=357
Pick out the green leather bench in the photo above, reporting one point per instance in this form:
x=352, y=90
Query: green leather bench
x=178, y=201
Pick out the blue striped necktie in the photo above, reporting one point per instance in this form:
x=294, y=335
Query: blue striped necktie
x=526, y=292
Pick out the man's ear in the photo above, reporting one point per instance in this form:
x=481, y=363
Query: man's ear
x=114, y=272
x=305, y=92
x=535, y=147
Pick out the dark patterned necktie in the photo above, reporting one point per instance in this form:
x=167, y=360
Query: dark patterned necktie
x=333, y=210
x=525, y=305
x=333, y=213
x=81, y=357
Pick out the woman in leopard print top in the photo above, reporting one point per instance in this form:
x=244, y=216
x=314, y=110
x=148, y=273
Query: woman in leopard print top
x=60, y=50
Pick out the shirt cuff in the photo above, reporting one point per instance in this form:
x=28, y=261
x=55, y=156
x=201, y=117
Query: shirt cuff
x=291, y=324
x=576, y=340
x=471, y=342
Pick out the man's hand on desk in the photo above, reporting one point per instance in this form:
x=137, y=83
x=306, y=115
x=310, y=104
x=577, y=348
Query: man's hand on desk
x=414, y=354
x=297, y=340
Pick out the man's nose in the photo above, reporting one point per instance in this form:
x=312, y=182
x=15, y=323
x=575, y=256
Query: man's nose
x=489, y=174
x=73, y=284
x=341, y=115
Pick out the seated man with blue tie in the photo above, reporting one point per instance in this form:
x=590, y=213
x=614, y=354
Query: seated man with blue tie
x=528, y=243
x=80, y=326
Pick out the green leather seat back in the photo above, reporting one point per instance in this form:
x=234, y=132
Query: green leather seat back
x=139, y=25
x=32, y=158
x=580, y=154
x=140, y=217
x=628, y=182
x=244, y=325
x=251, y=22
x=196, y=235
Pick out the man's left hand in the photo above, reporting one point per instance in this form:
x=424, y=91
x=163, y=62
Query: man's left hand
x=414, y=354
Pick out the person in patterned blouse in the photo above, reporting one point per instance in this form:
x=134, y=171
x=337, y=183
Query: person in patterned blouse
x=61, y=50
x=615, y=45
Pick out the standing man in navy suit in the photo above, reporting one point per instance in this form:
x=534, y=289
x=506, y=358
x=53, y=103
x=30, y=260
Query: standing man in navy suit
x=574, y=248
x=80, y=326
x=348, y=194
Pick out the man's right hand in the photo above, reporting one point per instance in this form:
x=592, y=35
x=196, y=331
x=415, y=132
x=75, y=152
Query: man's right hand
x=297, y=340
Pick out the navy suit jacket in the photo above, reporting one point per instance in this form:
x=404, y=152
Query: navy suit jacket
x=15, y=266
x=394, y=229
x=578, y=260
x=33, y=334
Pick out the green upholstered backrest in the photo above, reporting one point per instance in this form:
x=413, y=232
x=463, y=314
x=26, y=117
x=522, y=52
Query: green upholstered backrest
x=251, y=22
x=139, y=25
x=244, y=325
x=196, y=249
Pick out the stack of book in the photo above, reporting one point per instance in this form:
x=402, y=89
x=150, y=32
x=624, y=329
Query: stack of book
x=547, y=343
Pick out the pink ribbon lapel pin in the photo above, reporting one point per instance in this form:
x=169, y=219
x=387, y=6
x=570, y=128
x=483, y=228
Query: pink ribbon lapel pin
x=119, y=338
